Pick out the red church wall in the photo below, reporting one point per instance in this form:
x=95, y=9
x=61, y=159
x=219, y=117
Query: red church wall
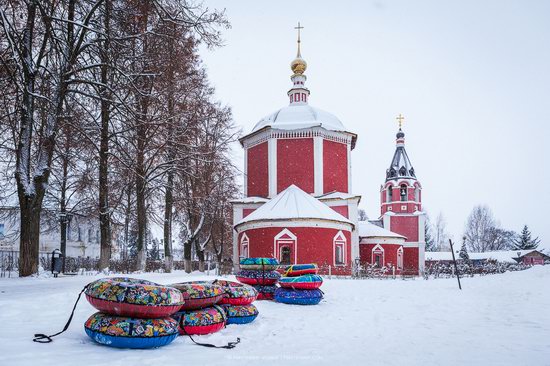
x=247, y=211
x=410, y=259
x=335, y=167
x=342, y=210
x=390, y=253
x=314, y=245
x=406, y=226
x=295, y=164
x=257, y=171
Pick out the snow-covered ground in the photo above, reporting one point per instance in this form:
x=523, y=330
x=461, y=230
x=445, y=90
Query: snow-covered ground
x=495, y=320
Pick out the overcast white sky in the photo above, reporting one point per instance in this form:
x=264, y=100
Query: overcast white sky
x=471, y=77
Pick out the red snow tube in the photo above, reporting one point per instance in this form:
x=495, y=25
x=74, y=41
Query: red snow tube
x=305, y=282
x=199, y=294
x=253, y=277
x=265, y=292
x=201, y=321
x=237, y=293
x=133, y=297
x=296, y=270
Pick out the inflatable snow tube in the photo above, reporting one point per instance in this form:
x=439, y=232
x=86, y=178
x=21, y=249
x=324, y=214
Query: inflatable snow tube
x=298, y=297
x=296, y=270
x=201, y=321
x=259, y=264
x=258, y=277
x=265, y=292
x=199, y=294
x=133, y=297
x=236, y=293
x=240, y=314
x=304, y=282
x=126, y=332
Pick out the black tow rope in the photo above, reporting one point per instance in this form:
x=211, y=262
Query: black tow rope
x=229, y=345
x=43, y=338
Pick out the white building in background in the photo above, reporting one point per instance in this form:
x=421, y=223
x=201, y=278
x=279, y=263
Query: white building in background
x=83, y=236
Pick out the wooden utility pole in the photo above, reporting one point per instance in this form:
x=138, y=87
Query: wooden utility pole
x=454, y=261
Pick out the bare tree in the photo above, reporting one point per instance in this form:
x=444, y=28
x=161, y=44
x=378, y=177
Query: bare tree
x=440, y=233
x=47, y=41
x=483, y=233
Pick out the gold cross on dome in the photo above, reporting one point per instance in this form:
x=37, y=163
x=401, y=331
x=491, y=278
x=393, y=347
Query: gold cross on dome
x=298, y=27
x=400, y=119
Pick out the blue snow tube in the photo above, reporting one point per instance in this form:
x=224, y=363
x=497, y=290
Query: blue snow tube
x=298, y=297
x=125, y=332
x=240, y=314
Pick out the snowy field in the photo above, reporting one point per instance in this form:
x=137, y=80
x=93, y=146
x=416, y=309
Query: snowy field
x=496, y=320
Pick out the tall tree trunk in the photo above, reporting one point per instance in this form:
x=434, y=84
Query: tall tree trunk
x=168, y=213
x=104, y=211
x=127, y=213
x=141, y=134
x=63, y=215
x=187, y=256
x=141, y=211
x=29, y=218
x=168, y=195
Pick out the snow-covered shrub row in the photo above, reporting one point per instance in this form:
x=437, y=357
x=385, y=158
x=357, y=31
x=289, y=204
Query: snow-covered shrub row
x=468, y=269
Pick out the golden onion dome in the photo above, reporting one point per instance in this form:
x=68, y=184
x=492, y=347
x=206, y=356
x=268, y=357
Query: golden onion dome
x=298, y=65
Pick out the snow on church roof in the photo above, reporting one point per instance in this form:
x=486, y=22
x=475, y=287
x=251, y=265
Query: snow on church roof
x=368, y=230
x=294, y=203
x=298, y=116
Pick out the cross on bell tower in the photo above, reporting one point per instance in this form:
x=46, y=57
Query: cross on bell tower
x=400, y=119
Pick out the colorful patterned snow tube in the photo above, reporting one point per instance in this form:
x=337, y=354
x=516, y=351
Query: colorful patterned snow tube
x=240, y=314
x=199, y=294
x=298, y=297
x=125, y=332
x=259, y=264
x=133, y=297
x=201, y=321
x=304, y=282
x=237, y=293
x=265, y=292
x=258, y=277
x=296, y=270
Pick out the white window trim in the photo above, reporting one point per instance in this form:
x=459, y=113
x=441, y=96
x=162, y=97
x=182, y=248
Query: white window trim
x=400, y=258
x=378, y=250
x=245, y=241
x=339, y=240
x=277, y=249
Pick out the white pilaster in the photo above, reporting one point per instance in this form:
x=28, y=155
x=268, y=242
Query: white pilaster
x=354, y=217
x=349, y=167
x=245, y=180
x=237, y=216
x=272, y=166
x=318, y=165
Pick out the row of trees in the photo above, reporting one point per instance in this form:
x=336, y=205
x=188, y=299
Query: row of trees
x=107, y=111
x=482, y=233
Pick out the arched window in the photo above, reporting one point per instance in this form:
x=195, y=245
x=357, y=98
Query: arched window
x=417, y=194
x=389, y=194
x=403, y=192
x=285, y=247
x=244, y=246
x=339, y=244
x=285, y=255
x=402, y=171
x=400, y=258
x=378, y=256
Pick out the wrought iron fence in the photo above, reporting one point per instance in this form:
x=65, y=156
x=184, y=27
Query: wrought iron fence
x=9, y=264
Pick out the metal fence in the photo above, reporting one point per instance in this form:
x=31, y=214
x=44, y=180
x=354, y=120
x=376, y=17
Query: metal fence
x=9, y=264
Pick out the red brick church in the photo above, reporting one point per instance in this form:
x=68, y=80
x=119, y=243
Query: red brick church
x=298, y=204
